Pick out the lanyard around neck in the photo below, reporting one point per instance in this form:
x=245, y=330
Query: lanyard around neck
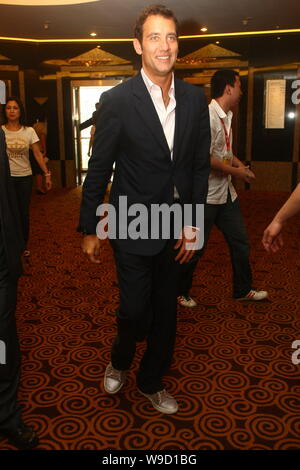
x=227, y=135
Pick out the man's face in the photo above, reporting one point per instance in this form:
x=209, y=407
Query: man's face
x=159, y=46
x=235, y=92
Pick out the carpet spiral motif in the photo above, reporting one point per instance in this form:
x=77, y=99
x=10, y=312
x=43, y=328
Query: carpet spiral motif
x=232, y=373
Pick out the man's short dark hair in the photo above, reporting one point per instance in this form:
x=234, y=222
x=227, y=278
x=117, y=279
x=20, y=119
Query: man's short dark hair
x=160, y=10
x=219, y=81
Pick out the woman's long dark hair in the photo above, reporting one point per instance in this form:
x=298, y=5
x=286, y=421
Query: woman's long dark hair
x=22, y=118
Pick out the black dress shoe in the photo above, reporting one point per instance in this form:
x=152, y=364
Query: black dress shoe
x=23, y=437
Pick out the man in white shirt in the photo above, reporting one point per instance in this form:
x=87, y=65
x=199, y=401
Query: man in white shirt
x=222, y=208
x=156, y=130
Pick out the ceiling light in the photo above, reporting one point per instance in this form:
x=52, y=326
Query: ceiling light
x=204, y=29
x=291, y=115
x=246, y=20
x=93, y=34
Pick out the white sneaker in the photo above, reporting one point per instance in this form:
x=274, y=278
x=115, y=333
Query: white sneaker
x=186, y=301
x=113, y=379
x=255, y=295
x=162, y=401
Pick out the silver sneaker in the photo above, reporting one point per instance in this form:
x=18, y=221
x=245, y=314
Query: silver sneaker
x=114, y=379
x=162, y=401
x=255, y=295
x=186, y=301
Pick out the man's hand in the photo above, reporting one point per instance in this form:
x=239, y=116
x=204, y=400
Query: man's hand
x=91, y=247
x=187, y=244
x=244, y=173
x=272, y=238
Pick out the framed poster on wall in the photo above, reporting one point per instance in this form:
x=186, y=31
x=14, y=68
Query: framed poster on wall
x=275, y=103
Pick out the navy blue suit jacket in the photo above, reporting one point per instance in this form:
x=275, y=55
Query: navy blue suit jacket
x=129, y=133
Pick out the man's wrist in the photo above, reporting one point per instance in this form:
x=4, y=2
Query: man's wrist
x=87, y=232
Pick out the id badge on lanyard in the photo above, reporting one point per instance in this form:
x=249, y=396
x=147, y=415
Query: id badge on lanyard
x=228, y=155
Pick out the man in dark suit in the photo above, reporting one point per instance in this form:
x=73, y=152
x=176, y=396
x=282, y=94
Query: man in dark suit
x=11, y=247
x=91, y=121
x=156, y=130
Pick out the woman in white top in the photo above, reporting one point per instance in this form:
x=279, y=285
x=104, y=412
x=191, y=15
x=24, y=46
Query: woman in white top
x=19, y=138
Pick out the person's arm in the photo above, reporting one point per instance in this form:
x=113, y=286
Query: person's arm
x=91, y=140
x=90, y=146
x=43, y=145
x=83, y=125
x=106, y=141
x=237, y=169
x=272, y=239
x=41, y=161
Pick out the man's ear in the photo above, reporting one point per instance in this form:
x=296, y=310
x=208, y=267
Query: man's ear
x=137, y=46
x=228, y=90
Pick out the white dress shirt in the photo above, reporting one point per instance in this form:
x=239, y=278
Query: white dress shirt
x=166, y=114
x=218, y=182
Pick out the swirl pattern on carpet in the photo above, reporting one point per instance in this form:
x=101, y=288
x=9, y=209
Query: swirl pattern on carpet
x=232, y=372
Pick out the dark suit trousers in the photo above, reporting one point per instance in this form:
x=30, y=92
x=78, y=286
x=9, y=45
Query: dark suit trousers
x=23, y=188
x=10, y=370
x=228, y=219
x=148, y=307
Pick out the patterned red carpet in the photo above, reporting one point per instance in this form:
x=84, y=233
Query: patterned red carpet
x=232, y=372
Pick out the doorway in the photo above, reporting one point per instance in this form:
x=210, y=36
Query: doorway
x=85, y=95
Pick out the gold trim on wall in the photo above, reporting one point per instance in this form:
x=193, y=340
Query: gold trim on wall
x=97, y=68
x=9, y=68
x=268, y=32
x=92, y=74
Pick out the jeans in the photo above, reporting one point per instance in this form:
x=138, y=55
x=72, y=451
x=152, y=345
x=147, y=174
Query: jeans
x=23, y=188
x=228, y=219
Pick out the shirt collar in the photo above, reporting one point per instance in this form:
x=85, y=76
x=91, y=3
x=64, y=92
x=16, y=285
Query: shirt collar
x=220, y=111
x=150, y=85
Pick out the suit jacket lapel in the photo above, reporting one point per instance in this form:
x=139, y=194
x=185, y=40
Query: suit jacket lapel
x=181, y=118
x=147, y=111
